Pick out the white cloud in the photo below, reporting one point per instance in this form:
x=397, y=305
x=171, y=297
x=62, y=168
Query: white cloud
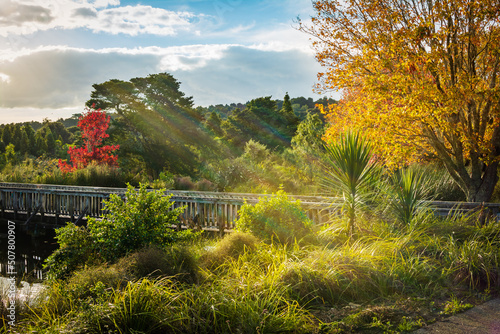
x=134, y=20
x=16, y=115
x=54, y=78
x=242, y=74
x=4, y=77
x=283, y=37
x=58, y=77
x=22, y=18
x=15, y=14
x=188, y=58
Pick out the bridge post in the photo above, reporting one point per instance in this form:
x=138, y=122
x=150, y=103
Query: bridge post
x=71, y=207
x=29, y=204
x=2, y=198
x=221, y=217
x=58, y=205
x=16, y=204
x=43, y=205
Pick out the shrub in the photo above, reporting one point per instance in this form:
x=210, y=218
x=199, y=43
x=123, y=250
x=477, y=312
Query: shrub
x=183, y=183
x=255, y=152
x=143, y=218
x=275, y=217
x=92, y=282
x=75, y=250
x=205, y=185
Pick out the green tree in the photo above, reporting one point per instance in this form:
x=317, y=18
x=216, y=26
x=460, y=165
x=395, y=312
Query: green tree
x=10, y=154
x=260, y=121
x=287, y=105
x=30, y=136
x=6, y=134
x=24, y=143
x=290, y=117
x=213, y=123
x=17, y=136
x=308, y=138
x=41, y=143
x=161, y=122
x=50, y=142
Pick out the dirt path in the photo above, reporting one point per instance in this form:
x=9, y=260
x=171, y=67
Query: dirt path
x=481, y=319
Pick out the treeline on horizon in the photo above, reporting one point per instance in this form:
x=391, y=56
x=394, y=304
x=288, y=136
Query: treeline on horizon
x=259, y=146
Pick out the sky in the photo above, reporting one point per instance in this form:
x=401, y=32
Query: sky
x=221, y=51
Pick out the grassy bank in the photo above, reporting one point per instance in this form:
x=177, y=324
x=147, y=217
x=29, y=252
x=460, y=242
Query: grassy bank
x=384, y=280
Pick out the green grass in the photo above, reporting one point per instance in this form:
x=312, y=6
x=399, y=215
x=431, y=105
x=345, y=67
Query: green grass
x=386, y=280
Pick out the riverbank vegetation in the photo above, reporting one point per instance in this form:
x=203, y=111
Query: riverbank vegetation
x=386, y=280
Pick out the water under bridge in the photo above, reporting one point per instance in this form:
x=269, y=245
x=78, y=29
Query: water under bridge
x=54, y=205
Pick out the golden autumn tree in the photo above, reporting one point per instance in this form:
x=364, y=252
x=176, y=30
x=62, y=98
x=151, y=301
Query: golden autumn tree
x=418, y=78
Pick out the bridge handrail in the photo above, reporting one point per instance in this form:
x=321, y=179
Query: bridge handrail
x=239, y=197
x=308, y=201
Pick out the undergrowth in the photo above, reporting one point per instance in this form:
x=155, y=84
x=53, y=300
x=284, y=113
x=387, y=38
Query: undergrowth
x=384, y=282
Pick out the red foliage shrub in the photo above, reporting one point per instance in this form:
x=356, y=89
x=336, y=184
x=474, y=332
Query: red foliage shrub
x=93, y=125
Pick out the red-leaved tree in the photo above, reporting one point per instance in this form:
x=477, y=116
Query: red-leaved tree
x=93, y=125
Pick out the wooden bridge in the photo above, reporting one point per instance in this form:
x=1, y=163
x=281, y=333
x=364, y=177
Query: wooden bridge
x=54, y=205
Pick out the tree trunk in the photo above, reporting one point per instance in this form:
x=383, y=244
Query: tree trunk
x=481, y=190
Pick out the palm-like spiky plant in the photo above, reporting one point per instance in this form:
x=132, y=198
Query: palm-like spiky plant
x=351, y=170
x=409, y=194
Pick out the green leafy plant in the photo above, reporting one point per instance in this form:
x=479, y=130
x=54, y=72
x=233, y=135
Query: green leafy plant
x=351, y=170
x=454, y=306
x=144, y=217
x=276, y=217
x=408, y=195
x=75, y=250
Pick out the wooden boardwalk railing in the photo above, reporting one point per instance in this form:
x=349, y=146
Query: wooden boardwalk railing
x=52, y=205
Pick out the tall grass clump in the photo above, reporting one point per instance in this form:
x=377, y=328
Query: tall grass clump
x=144, y=306
x=330, y=277
x=163, y=306
x=230, y=247
x=176, y=261
x=474, y=262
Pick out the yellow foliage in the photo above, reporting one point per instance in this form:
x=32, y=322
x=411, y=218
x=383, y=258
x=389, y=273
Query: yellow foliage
x=418, y=78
